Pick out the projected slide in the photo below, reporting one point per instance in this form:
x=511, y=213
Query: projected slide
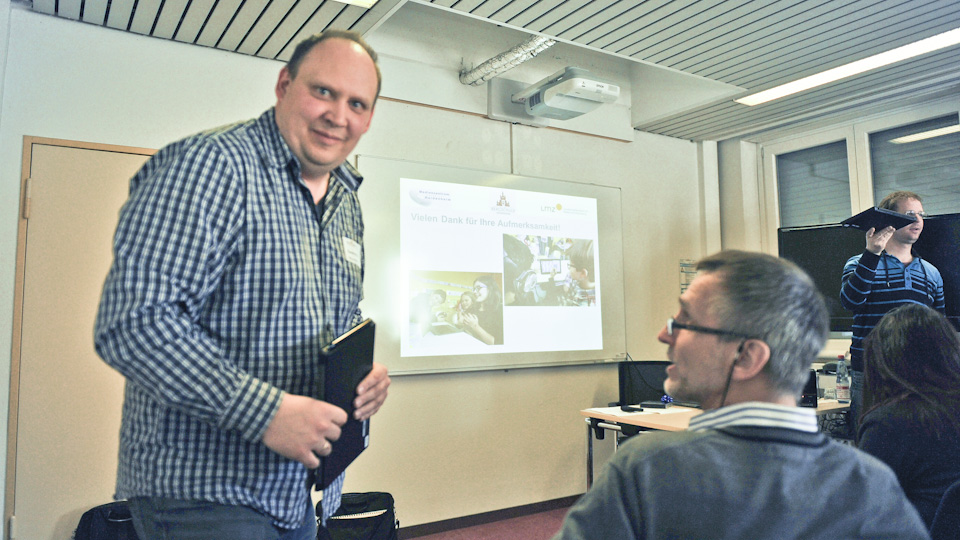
x=492, y=269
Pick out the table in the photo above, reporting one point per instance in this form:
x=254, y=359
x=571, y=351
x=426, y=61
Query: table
x=672, y=418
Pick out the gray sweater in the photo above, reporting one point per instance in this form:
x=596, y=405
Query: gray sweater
x=742, y=482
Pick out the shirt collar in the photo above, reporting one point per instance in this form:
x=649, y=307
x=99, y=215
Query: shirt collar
x=279, y=153
x=757, y=414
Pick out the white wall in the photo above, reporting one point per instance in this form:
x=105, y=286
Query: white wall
x=444, y=445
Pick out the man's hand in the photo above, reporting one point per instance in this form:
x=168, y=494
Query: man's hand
x=877, y=241
x=303, y=429
x=371, y=393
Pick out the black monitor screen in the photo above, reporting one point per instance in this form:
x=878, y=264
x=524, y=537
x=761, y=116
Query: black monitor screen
x=822, y=251
x=939, y=244
x=642, y=381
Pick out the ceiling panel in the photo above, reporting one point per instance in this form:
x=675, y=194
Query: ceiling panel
x=752, y=44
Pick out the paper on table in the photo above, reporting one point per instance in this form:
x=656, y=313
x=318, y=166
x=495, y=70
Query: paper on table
x=617, y=411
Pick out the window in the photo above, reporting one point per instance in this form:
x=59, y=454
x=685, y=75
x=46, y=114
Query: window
x=923, y=157
x=804, y=184
x=814, y=185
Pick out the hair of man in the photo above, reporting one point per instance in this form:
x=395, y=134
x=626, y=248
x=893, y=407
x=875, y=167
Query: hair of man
x=305, y=46
x=773, y=300
x=891, y=201
x=913, y=354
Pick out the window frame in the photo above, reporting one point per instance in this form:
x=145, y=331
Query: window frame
x=859, y=168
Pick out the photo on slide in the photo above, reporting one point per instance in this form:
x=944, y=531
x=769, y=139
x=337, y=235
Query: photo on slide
x=548, y=271
x=455, y=311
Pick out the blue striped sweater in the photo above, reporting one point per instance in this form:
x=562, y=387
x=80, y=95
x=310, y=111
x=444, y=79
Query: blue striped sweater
x=872, y=285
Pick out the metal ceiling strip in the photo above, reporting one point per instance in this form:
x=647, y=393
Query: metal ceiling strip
x=681, y=26
x=242, y=23
x=347, y=17
x=45, y=6
x=718, y=21
x=802, y=42
x=490, y=7
x=522, y=12
x=318, y=22
x=193, y=20
x=376, y=15
x=578, y=17
x=550, y=21
x=118, y=16
x=145, y=16
x=466, y=6
x=837, y=45
x=843, y=108
x=630, y=24
x=734, y=44
x=69, y=10
x=444, y=3
x=725, y=119
x=277, y=11
x=730, y=40
x=841, y=48
x=170, y=16
x=217, y=22
x=94, y=11
x=618, y=27
x=287, y=28
x=773, y=31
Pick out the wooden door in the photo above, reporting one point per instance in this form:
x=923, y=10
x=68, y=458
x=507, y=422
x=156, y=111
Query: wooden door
x=65, y=402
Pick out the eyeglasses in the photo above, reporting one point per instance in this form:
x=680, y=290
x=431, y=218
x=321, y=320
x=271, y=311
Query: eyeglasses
x=479, y=287
x=673, y=325
x=921, y=215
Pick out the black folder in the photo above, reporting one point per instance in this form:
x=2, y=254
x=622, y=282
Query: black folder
x=348, y=360
x=878, y=219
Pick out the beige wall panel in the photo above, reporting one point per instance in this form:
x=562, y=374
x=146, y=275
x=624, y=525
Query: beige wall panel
x=69, y=400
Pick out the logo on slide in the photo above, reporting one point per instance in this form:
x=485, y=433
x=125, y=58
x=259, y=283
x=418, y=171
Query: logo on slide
x=427, y=197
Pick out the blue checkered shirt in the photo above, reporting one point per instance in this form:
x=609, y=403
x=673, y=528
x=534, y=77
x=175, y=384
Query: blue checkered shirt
x=227, y=281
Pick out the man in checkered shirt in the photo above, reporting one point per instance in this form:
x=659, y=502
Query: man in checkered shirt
x=238, y=256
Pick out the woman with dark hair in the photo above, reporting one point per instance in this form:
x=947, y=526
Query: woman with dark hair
x=486, y=322
x=911, y=400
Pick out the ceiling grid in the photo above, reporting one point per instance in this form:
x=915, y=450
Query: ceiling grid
x=750, y=44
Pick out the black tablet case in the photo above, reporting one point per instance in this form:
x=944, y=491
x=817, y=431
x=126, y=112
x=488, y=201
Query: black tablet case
x=348, y=360
x=878, y=219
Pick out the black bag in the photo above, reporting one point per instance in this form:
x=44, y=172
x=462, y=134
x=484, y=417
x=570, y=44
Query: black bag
x=109, y=521
x=362, y=516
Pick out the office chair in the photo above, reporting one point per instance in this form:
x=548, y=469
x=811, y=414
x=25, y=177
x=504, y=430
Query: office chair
x=946, y=522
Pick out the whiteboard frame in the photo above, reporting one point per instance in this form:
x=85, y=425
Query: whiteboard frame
x=384, y=285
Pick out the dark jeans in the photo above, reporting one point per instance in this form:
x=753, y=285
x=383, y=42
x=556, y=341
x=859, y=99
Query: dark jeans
x=159, y=518
x=856, y=401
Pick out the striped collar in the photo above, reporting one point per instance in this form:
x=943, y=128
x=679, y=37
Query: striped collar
x=757, y=414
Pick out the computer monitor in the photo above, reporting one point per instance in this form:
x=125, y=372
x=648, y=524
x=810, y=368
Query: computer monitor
x=809, y=396
x=641, y=381
x=551, y=266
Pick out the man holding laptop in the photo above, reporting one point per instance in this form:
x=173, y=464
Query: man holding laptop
x=238, y=257
x=754, y=464
x=888, y=274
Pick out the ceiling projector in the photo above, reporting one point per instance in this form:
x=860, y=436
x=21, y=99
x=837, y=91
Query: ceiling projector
x=566, y=94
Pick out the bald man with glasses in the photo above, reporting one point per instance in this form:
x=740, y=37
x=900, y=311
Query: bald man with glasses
x=754, y=464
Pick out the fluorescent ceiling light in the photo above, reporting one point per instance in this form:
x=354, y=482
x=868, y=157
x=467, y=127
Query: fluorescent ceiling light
x=923, y=46
x=362, y=3
x=926, y=134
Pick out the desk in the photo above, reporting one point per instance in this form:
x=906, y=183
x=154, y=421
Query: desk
x=673, y=418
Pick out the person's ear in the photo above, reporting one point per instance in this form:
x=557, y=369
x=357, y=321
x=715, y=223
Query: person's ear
x=751, y=359
x=283, y=82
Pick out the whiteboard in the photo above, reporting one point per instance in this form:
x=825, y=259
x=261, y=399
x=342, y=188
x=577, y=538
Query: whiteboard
x=532, y=335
